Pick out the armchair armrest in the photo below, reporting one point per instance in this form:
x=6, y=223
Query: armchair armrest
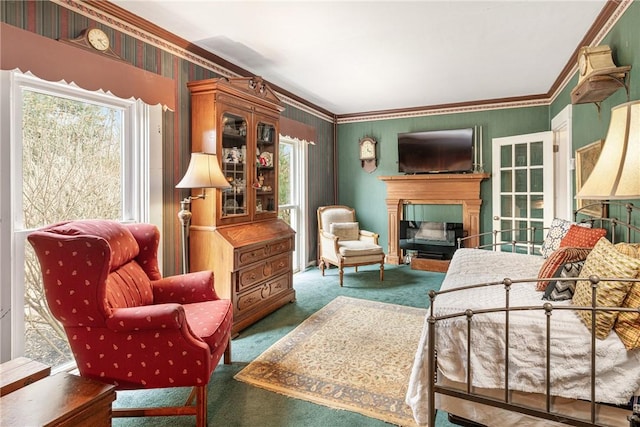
x=328, y=245
x=369, y=236
x=147, y=317
x=185, y=288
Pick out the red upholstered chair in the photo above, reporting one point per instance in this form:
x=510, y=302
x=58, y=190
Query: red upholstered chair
x=126, y=324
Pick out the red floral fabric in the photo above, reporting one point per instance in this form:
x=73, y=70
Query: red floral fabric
x=126, y=324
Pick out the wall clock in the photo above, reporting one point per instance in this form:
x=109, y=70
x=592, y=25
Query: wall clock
x=94, y=39
x=368, y=154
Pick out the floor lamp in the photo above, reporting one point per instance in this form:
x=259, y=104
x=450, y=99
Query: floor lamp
x=203, y=172
x=616, y=174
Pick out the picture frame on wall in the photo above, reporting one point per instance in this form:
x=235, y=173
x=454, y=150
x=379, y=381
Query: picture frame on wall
x=586, y=158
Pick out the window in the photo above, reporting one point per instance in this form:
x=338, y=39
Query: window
x=291, y=197
x=76, y=154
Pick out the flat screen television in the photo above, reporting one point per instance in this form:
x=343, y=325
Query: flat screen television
x=437, y=151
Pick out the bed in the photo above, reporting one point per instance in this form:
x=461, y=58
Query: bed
x=488, y=310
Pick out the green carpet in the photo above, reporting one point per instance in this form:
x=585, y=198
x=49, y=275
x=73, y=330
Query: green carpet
x=237, y=404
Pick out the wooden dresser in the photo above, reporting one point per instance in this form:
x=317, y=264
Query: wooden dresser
x=251, y=265
x=236, y=232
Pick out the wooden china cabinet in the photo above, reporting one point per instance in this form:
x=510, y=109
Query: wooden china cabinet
x=236, y=232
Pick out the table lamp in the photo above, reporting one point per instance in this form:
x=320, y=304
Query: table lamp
x=203, y=172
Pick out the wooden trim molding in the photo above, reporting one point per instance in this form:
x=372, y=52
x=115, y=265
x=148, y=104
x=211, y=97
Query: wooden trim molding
x=56, y=61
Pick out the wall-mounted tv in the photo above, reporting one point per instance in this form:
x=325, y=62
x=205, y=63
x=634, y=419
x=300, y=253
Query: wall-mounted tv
x=437, y=151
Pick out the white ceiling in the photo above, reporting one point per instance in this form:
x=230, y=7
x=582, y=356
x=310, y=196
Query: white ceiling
x=363, y=56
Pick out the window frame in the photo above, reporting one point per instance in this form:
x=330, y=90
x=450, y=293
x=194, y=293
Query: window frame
x=141, y=166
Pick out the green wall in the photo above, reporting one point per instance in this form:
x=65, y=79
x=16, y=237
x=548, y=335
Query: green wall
x=367, y=193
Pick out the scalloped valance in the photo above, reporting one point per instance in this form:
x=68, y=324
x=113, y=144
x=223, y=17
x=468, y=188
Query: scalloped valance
x=56, y=61
x=299, y=130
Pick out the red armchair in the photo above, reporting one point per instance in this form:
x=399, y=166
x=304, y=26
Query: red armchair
x=126, y=324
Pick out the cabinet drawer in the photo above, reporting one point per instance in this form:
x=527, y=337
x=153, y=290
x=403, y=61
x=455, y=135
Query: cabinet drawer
x=247, y=256
x=255, y=297
x=264, y=270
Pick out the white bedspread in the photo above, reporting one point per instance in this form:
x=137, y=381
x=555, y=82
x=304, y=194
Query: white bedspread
x=618, y=370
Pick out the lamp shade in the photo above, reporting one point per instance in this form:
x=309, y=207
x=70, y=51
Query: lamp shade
x=203, y=172
x=616, y=175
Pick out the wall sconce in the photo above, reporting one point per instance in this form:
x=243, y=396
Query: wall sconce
x=203, y=172
x=616, y=175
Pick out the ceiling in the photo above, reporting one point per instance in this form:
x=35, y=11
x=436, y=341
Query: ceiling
x=350, y=57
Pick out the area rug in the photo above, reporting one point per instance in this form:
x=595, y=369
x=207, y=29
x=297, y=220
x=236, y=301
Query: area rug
x=352, y=354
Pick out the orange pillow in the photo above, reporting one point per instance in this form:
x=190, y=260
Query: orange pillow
x=581, y=237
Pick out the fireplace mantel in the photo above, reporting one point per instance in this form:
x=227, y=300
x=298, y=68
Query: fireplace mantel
x=432, y=189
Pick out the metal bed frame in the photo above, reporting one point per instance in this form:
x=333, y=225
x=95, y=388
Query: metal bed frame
x=548, y=309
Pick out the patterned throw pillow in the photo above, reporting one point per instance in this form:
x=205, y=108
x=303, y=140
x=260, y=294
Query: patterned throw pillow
x=557, y=230
x=552, y=266
x=580, y=237
x=561, y=290
x=345, y=230
x=628, y=324
x=604, y=261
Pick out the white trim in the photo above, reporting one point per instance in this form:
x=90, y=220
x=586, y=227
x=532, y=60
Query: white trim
x=561, y=126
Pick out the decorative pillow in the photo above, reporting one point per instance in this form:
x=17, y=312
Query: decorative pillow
x=580, y=237
x=553, y=264
x=560, y=290
x=345, y=230
x=630, y=249
x=557, y=230
x=605, y=261
x=628, y=324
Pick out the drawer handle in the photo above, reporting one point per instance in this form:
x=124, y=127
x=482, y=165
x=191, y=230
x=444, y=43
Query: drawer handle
x=281, y=264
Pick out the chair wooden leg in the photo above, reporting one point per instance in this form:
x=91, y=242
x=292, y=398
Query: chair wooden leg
x=341, y=274
x=382, y=271
x=356, y=268
x=201, y=406
x=227, y=353
x=321, y=266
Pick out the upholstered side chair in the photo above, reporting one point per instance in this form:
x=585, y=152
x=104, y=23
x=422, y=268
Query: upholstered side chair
x=126, y=324
x=342, y=243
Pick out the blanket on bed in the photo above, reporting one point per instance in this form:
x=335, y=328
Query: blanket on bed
x=618, y=370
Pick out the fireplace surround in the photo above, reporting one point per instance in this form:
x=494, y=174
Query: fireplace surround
x=437, y=189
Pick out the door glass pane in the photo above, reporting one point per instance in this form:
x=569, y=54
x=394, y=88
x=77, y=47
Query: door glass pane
x=234, y=158
x=521, y=181
x=539, y=232
x=536, y=153
x=521, y=154
x=506, y=202
x=505, y=156
x=521, y=233
x=266, y=169
x=507, y=234
x=521, y=207
x=505, y=181
x=537, y=207
x=537, y=182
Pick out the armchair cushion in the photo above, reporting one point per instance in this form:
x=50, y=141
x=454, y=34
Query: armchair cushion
x=210, y=321
x=352, y=248
x=345, y=230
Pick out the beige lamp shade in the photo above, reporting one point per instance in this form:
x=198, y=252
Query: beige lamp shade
x=203, y=172
x=616, y=175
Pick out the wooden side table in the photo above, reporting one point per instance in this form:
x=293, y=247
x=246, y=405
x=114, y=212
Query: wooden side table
x=59, y=400
x=20, y=372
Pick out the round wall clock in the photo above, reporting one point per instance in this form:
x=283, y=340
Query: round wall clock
x=98, y=39
x=368, y=154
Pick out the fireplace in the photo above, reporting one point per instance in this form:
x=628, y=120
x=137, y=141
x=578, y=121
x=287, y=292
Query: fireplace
x=439, y=189
x=430, y=239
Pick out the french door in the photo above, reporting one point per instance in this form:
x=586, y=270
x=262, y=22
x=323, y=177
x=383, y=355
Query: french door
x=523, y=188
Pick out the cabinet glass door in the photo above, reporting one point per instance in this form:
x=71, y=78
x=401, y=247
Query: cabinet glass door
x=265, y=184
x=234, y=164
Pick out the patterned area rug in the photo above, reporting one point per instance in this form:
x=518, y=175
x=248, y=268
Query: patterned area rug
x=352, y=354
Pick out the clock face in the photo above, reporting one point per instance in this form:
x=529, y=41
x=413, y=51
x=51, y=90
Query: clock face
x=367, y=150
x=582, y=64
x=98, y=39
